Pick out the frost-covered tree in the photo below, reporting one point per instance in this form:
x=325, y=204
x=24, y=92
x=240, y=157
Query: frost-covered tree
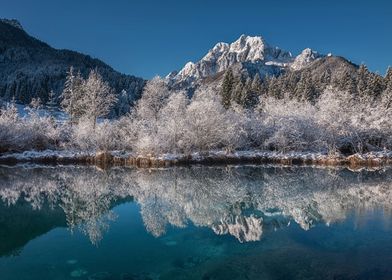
x=206, y=122
x=51, y=105
x=387, y=93
x=362, y=81
x=72, y=95
x=98, y=97
x=388, y=78
x=31, y=132
x=9, y=127
x=256, y=83
x=274, y=87
x=288, y=124
x=305, y=87
x=171, y=124
x=154, y=98
x=122, y=107
x=346, y=83
x=145, y=115
x=375, y=85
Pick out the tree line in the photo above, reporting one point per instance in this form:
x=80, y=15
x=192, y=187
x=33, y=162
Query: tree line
x=303, y=85
x=333, y=120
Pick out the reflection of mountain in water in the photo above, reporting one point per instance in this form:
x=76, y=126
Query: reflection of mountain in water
x=19, y=225
x=243, y=201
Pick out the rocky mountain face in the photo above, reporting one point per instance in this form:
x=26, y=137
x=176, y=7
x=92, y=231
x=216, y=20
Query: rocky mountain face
x=30, y=68
x=248, y=56
x=246, y=51
x=304, y=59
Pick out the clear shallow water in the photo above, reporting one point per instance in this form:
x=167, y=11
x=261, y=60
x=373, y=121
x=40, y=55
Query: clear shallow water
x=195, y=223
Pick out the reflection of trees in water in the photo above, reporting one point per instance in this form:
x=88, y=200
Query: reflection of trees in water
x=242, y=201
x=85, y=194
x=86, y=199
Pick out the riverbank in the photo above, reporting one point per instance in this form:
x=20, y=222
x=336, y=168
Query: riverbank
x=119, y=158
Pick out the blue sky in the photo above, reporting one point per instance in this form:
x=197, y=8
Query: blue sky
x=150, y=37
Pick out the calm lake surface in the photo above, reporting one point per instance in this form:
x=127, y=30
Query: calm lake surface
x=195, y=223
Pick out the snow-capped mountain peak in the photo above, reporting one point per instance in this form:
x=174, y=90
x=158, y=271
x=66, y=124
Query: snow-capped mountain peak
x=245, y=48
x=188, y=69
x=250, y=53
x=304, y=58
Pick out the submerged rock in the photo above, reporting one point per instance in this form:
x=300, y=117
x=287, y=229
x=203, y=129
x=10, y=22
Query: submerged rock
x=72, y=262
x=171, y=243
x=78, y=273
x=141, y=276
x=100, y=276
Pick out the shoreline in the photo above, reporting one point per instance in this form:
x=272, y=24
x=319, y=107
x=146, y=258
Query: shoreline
x=119, y=158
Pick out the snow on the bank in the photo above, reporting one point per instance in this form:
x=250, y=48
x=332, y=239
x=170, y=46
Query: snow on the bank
x=28, y=155
x=256, y=154
x=23, y=111
x=196, y=157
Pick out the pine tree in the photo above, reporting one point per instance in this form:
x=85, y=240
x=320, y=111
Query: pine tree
x=256, y=84
x=227, y=88
x=388, y=80
x=346, y=83
x=249, y=95
x=262, y=90
x=326, y=79
x=237, y=93
x=387, y=93
x=305, y=88
x=388, y=77
x=291, y=80
x=51, y=104
x=35, y=103
x=72, y=95
x=362, y=81
x=123, y=103
x=274, y=88
x=375, y=85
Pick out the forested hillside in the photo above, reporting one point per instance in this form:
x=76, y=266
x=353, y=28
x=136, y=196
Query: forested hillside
x=31, y=69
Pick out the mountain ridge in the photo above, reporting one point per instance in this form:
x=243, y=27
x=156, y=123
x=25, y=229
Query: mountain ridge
x=251, y=55
x=30, y=68
x=246, y=49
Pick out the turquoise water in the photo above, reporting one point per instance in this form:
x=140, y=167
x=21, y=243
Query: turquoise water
x=195, y=223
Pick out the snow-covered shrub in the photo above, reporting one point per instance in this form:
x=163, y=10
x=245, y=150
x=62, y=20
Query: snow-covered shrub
x=353, y=124
x=41, y=132
x=9, y=128
x=334, y=114
x=207, y=125
x=239, y=128
x=175, y=124
x=104, y=137
x=127, y=132
x=166, y=121
x=32, y=132
x=288, y=124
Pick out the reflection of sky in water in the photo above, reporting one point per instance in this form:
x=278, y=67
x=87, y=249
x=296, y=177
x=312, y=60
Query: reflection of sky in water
x=195, y=223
